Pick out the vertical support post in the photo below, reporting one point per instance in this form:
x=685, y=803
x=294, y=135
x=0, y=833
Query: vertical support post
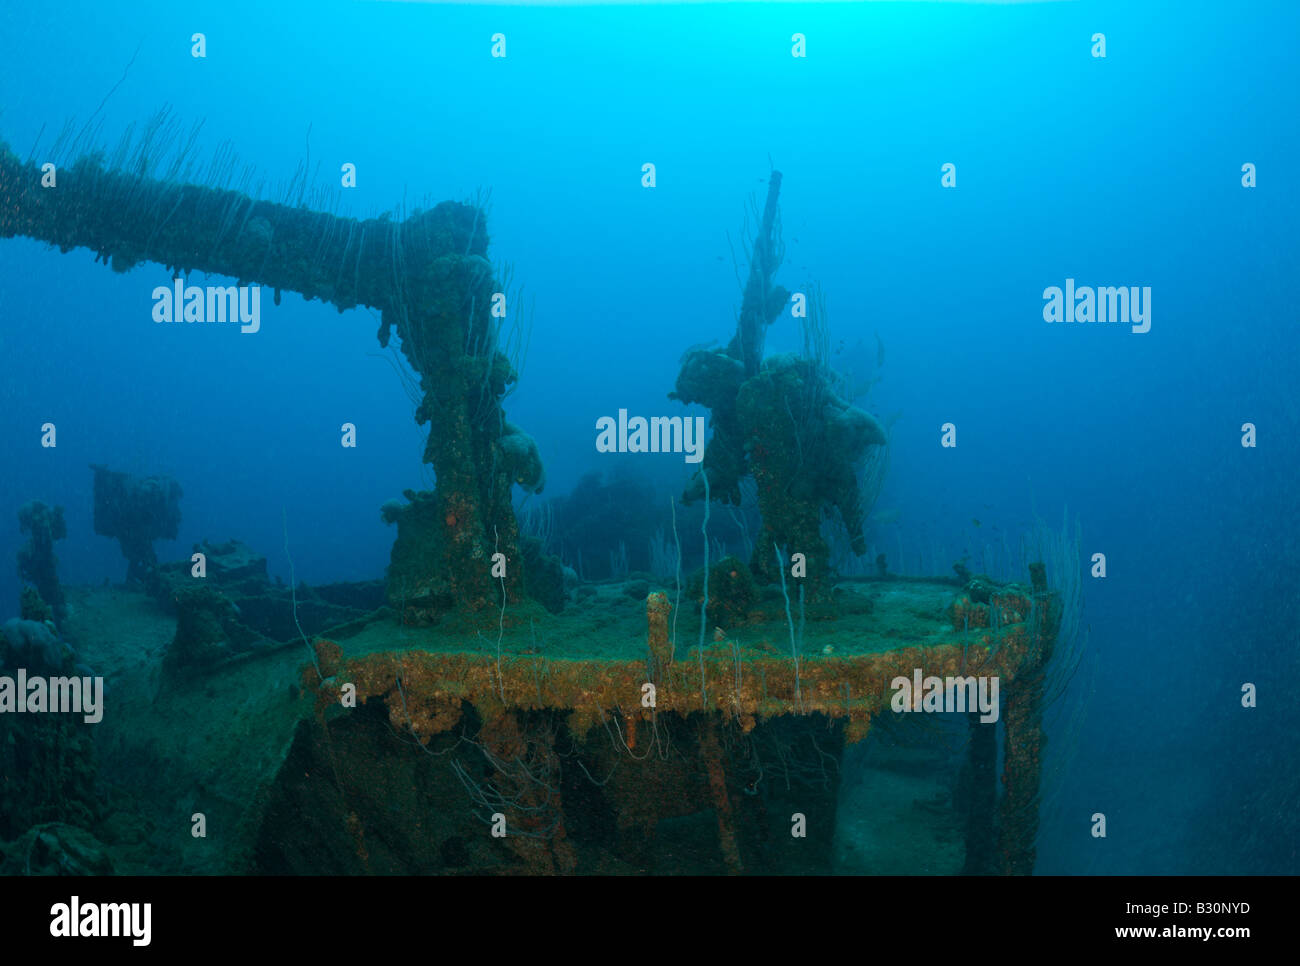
x=755, y=308
x=1025, y=740
x=711, y=752
x=981, y=787
x=1021, y=776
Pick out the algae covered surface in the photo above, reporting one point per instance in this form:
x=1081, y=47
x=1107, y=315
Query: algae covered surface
x=218, y=744
x=609, y=623
x=169, y=749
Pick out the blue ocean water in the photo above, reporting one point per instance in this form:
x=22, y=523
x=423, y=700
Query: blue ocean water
x=1122, y=170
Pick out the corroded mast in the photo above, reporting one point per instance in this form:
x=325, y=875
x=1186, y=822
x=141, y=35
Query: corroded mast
x=428, y=276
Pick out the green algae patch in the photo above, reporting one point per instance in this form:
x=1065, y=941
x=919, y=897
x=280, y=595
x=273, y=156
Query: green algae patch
x=596, y=658
x=218, y=744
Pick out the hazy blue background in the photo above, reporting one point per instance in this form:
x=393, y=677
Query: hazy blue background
x=1117, y=171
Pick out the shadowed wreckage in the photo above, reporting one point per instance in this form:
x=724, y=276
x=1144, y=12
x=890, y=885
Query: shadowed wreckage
x=446, y=721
